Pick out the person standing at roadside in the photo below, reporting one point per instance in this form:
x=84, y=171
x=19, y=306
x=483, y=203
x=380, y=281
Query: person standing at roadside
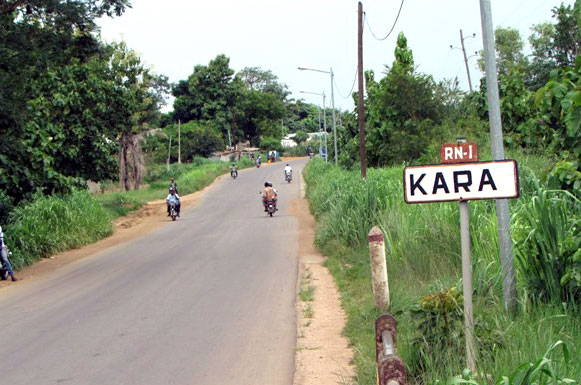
x=4, y=256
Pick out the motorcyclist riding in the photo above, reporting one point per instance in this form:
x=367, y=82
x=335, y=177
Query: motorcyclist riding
x=173, y=197
x=270, y=194
x=173, y=185
x=4, y=256
x=288, y=170
x=233, y=170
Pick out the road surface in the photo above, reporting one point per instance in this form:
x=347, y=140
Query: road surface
x=209, y=299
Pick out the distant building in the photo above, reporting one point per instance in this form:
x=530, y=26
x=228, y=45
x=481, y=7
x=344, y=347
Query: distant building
x=288, y=140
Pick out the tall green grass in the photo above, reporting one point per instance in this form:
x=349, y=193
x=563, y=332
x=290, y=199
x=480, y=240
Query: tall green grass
x=52, y=224
x=423, y=255
x=189, y=177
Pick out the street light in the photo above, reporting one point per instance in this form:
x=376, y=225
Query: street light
x=324, y=120
x=332, y=104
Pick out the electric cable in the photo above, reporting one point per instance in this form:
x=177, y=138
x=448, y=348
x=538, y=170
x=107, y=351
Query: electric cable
x=392, y=27
x=352, y=87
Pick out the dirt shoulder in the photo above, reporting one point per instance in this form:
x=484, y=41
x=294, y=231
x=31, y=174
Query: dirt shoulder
x=323, y=355
x=143, y=221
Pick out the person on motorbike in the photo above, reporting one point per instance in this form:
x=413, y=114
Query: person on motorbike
x=288, y=170
x=173, y=185
x=173, y=197
x=233, y=170
x=269, y=194
x=4, y=257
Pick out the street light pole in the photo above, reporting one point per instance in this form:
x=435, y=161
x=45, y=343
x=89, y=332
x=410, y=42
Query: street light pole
x=324, y=120
x=334, y=124
x=333, y=105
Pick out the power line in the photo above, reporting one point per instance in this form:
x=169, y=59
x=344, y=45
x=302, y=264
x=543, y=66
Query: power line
x=392, y=27
x=352, y=87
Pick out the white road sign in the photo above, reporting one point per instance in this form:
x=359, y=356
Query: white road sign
x=457, y=182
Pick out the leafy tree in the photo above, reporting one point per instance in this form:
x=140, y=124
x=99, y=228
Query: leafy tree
x=402, y=110
x=567, y=36
x=39, y=38
x=197, y=139
x=260, y=114
x=543, y=61
x=269, y=143
x=300, y=137
x=80, y=113
x=255, y=78
x=509, y=45
x=207, y=94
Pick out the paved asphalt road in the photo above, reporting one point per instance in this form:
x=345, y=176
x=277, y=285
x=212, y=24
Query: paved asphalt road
x=208, y=299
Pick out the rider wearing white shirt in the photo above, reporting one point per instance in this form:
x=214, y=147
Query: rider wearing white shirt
x=288, y=170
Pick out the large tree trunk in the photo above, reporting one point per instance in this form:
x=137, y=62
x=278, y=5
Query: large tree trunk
x=137, y=160
x=123, y=174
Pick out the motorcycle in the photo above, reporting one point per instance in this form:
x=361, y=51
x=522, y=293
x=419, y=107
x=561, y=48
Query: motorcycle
x=234, y=174
x=311, y=154
x=289, y=176
x=3, y=267
x=173, y=213
x=257, y=163
x=270, y=207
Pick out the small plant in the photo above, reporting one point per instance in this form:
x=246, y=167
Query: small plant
x=308, y=311
x=438, y=318
x=540, y=372
x=307, y=294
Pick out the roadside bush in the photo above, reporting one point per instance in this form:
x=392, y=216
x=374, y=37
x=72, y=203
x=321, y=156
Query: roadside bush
x=6, y=206
x=50, y=224
x=549, y=246
x=271, y=144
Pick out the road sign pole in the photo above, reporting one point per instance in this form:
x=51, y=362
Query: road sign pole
x=467, y=283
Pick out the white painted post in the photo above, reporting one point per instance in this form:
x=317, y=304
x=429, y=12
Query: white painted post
x=378, y=268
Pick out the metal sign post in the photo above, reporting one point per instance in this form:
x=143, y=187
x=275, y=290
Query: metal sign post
x=467, y=284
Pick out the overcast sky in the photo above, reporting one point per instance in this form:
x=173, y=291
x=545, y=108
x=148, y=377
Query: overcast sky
x=173, y=36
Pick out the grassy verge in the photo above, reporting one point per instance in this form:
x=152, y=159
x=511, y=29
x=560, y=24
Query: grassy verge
x=190, y=178
x=423, y=248
x=52, y=224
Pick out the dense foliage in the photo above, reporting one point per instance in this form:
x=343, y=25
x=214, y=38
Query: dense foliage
x=68, y=103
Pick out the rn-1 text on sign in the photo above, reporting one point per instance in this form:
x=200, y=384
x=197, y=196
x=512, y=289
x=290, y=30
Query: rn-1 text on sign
x=457, y=182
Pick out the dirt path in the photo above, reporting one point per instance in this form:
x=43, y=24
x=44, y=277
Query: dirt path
x=148, y=218
x=323, y=355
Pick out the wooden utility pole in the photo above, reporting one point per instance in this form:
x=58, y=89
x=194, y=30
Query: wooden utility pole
x=234, y=126
x=179, y=142
x=168, y=153
x=465, y=60
x=360, y=77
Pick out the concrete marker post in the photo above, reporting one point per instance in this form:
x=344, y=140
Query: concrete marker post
x=380, y=284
